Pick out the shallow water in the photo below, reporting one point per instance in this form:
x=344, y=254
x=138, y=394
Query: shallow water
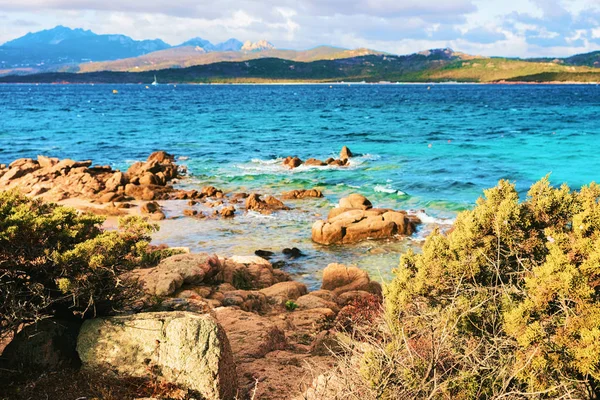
x=434, y=149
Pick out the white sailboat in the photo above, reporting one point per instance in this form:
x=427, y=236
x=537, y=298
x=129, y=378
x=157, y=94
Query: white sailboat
x=155, y=83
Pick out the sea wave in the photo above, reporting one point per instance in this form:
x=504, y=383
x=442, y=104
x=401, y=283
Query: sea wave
x=275, y=165
x=428, y=219
x=388, y=189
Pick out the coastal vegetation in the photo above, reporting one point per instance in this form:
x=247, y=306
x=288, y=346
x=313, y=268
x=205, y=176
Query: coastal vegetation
x=54, y=260
x=441, y=65
x=505, y=305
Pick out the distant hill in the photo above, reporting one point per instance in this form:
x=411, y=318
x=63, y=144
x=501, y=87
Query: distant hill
x=440, y=65
x=187, y=56
x=76, y=50
x=62, y=45
x=66, y=50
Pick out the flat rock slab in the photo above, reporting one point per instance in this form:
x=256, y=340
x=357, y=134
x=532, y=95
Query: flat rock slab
x=180, y=347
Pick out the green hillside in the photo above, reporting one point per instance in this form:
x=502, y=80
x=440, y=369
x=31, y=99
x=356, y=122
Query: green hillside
x=188, y=56
x=441, y=65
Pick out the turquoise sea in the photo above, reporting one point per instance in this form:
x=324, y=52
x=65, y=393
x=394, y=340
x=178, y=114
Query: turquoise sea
x=431, y=148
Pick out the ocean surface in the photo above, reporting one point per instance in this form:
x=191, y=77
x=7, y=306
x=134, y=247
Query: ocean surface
x=430, y=149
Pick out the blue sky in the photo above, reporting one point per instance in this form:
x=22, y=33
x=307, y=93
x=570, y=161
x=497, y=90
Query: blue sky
x=524, y=28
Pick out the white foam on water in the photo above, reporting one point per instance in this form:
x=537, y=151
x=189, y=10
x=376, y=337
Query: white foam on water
x=388, y=189
x=275, y=166
x=428, y=219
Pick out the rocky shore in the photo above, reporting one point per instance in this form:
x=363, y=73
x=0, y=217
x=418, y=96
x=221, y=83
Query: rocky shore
x=225, y=327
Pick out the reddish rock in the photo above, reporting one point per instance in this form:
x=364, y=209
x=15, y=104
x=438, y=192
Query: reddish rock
x=292, y=162
x=315, y=162
x=345, y=153
x=270, y=203
x=355, y=220
x=227, y=212
x=301, y=194
x=189, y=212
x=339, y=279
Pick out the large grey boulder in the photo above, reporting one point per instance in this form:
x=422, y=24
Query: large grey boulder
x=188, y=349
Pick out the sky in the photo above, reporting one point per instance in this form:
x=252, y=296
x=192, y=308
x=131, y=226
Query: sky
x=515, y=28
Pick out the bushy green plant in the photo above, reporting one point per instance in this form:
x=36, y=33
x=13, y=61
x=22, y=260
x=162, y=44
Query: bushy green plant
x=291, y=305
x=54, y=259
x=507, y=304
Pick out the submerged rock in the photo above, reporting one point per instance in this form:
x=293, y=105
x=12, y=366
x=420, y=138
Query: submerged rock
x=184, y=348
x=301, y=194
x=269, y=204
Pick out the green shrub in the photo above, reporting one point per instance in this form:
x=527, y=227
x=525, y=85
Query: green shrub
x=291, y=305
x=507, y=304
x=53, y=259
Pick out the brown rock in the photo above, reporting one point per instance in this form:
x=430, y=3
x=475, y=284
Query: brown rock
x=211, y=191
x=315, y=162
x=139, y=192
x=270, y=203
x=158, y=216
x=150, y=207
x=148, y=178
x=116, y=180
x=175, y=271
x=340, y=279
x=369, y=228
x=251, y=272
x=302, y=194
x=310, y=301
x=161, y=157
x=251, y=336
x=227, y=212
x=404, y=225
x=355, y=200
x=292, y=162
x=189, y=212
x=338, y=163
x=345, y=153
x=355, y=220
x=108, y=197
x=246, y=300
x=311, y=321
x=47, y=162
x=284, y=291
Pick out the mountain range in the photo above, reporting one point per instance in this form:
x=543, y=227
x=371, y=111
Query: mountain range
x=75, y=55
x=66, y=49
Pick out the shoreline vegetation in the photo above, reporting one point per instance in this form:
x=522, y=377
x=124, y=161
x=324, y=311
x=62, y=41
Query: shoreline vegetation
x=426, y=69
x=503, y=305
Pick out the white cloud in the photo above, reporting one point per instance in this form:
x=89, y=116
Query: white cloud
x=487, y=27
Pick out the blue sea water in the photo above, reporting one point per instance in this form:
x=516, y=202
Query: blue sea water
x=431, y=148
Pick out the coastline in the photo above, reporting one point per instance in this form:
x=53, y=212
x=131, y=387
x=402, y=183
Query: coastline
x=313, y=83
